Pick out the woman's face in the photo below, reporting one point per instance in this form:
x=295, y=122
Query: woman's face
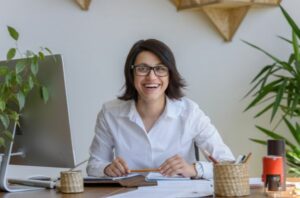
x=150, y=87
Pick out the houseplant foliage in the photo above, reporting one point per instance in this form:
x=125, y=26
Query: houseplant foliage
x=277, y=89
x=16, y=82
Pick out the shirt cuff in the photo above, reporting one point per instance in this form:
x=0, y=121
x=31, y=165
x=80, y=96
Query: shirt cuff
x=96, y=169
x=199, y=170
x=207, y=168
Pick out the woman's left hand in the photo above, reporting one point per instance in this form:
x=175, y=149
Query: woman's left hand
x=176, y=165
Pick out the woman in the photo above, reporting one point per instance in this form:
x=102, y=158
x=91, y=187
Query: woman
x=152, y=125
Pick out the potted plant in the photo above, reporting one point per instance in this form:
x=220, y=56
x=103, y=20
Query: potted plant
x=277, y=89
x=15, y=84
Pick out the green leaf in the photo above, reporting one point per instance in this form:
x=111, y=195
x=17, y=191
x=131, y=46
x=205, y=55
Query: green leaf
x=34, y=67
x=278, y=98
x=11, y=53
x=35, y=59
x=20, y=66
x=298, y=69
x=263, y=80
x=293, y=157
x=13, y=33
x=268, y=54
x=296, y=47
x=287, y=67
x=291, y=22
x=284, y=64
x=2, y=105
x=21, y=99
x=4, y=120
x=295, y=102
x=264, y=110
x=14, y=116
x=293, y=131
x=8, y=78
x=3, y=70
x=263, y=92
x=48, y=50
x=263, y=142
x=265, y=69
x=270, y=73
x=41, y=55
x=295, y=171
x=19, y=79
x=285, y=39
x=2, y=142
x=275, y=136
x=30, y=82
x=291, y=59
x=44, y=94
x=8, y=135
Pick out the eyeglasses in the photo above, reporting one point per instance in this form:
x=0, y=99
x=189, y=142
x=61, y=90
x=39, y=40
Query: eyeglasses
x=144, y=70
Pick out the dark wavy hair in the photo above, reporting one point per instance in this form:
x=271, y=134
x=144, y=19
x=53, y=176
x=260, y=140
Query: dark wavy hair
x=164, y=53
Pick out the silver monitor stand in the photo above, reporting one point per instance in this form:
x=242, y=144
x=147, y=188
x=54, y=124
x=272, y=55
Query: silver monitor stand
x=4, y=185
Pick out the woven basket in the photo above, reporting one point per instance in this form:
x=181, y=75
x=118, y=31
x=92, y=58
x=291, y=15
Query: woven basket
x=231, y=180
x=71, y=181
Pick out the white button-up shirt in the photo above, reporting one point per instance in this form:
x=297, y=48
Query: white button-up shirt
x=120, y=132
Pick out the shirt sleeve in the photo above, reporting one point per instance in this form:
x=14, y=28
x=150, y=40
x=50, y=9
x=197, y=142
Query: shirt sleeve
x=208, y=138
x=101, y=149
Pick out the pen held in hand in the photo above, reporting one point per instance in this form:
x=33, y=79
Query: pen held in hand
x=144, y=170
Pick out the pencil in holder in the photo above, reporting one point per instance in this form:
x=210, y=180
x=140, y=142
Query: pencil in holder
x=231, y=179
x=71, y=182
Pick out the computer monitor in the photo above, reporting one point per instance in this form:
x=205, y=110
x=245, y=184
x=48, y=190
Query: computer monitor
x=44, y=135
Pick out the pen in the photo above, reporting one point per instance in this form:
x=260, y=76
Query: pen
x=239, y=159
x=247, y=158
x=210, y=157
x=144, y=170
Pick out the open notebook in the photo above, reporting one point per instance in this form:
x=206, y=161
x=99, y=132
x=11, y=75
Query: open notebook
x=105, y=178
x=131, y=180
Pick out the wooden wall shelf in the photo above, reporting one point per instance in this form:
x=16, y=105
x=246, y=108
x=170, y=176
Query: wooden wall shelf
x=226, y=15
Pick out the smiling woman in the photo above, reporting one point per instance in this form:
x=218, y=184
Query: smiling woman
x=152, y=125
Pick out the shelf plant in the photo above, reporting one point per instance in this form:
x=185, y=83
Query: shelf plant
x=276, y=88
x=16, y=82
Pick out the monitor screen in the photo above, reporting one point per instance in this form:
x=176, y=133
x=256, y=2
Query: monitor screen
x=44, y=134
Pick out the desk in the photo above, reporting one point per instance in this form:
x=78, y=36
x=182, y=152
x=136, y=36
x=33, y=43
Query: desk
x=92, y=192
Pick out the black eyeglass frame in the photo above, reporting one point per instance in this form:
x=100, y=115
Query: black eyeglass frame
x=133, y=67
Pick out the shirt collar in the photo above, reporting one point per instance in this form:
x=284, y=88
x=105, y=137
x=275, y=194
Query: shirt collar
x=172, y=109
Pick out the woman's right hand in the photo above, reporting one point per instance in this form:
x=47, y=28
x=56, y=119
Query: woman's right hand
x=117, y=168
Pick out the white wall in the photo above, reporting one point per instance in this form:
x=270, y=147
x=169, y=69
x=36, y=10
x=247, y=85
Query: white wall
x=95, y=44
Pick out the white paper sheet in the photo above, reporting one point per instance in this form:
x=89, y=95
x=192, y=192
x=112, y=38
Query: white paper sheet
x=172, y=189
x=255, y=181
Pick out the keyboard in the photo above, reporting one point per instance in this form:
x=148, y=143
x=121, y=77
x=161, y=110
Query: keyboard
x=31, y=182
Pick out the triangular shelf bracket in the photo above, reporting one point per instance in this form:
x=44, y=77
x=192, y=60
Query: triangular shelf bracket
x=226, y=15
x=226, y=20
x=84, y=4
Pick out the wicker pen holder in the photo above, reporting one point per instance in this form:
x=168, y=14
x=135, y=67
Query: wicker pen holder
x=231, y=179
x=71, y=182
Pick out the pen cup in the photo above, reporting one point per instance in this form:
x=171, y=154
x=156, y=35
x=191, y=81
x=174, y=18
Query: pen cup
x=71, y=181
x=231, y=179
